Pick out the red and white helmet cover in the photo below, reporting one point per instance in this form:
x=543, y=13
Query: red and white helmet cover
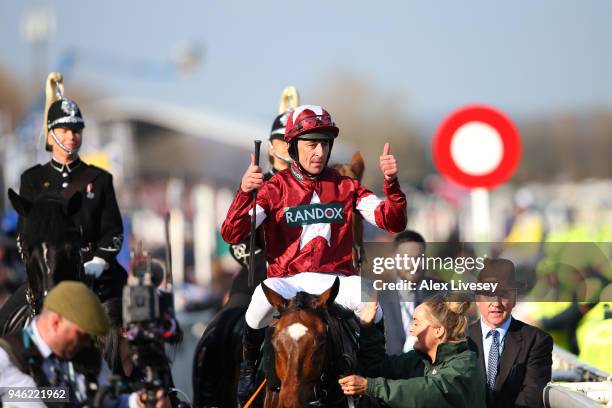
x=308, y=119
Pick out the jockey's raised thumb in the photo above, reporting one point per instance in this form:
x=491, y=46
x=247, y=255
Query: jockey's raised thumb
x=387, y=149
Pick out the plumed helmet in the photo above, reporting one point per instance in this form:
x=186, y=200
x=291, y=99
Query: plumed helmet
x=309, y=119
x=65, y=113
x=278, y=127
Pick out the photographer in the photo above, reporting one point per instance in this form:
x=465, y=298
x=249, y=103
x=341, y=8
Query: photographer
x=55, y=349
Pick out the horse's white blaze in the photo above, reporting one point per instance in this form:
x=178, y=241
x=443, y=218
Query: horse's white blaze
x=296, y=331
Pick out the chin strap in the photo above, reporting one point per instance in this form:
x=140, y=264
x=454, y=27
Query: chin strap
x=64, y=148
x=287, y=160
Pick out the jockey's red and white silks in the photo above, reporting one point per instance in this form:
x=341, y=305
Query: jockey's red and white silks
x=307, y=223
x=260, y=311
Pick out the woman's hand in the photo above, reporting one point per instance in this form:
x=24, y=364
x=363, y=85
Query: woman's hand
x=353, y=385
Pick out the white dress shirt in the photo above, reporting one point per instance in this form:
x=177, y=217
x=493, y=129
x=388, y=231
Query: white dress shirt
x=407, y=306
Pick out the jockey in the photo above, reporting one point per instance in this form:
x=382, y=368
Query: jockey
x=306, y=212
x=98, y=218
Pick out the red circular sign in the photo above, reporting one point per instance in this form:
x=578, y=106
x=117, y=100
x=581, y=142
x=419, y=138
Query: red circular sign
x=451, y=160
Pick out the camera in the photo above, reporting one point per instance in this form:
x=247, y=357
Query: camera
x=147, y=310
x=150, y=324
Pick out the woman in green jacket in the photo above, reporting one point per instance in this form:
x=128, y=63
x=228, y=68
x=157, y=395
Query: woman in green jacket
x=439, y=372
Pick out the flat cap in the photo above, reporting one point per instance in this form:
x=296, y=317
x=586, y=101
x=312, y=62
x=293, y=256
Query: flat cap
x=76, y=302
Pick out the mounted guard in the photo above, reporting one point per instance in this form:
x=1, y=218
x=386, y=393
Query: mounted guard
x=97, y=217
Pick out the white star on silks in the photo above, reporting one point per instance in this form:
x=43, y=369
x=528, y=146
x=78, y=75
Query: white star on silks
x=311, y=231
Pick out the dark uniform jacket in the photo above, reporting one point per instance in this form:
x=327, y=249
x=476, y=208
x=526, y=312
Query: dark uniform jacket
x=525, y=366
x=99, y=217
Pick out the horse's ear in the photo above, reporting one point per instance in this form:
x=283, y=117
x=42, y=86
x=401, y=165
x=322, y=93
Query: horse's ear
x=274, y=298
x=327, y=298
x=20, y=204
x=74, y=204
x=358, y=165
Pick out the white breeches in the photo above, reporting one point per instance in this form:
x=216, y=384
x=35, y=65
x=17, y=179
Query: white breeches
x=260, y=311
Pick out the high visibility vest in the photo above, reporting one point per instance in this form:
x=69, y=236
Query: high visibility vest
x=594, y=335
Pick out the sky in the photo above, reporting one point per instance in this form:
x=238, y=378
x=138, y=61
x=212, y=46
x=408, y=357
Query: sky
x=527, y=58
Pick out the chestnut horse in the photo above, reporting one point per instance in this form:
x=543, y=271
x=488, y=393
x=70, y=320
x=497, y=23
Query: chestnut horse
x=303, y=351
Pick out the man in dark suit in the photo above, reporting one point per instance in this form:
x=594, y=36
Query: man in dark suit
x=398, y=306
x=516, y=358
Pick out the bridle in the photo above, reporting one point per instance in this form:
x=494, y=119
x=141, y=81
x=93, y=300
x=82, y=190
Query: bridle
x=327, y=380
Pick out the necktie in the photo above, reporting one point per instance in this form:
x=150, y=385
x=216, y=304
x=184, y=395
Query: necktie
x=54, y=371
x=493, y=359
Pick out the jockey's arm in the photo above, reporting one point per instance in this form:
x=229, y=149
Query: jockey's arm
x=388, y=214
x=237, y=224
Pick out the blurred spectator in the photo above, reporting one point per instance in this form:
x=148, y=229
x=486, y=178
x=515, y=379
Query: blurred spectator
x=398, y=306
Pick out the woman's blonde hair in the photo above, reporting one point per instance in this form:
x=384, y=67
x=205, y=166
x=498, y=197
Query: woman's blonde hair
x=450, y=315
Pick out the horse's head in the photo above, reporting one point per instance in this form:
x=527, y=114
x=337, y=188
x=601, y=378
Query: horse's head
x=299, y=341
x=354, y=169
x=50, y=241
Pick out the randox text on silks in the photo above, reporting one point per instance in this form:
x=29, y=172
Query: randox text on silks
x=314, y=214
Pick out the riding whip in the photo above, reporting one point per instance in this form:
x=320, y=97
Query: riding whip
x=253, y=225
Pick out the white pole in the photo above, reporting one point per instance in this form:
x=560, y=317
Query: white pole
x=204, y=233
x=174, y=193
x=481, y=215
x=177, y=246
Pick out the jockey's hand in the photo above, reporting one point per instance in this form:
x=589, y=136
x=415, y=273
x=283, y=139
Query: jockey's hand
x=161, y=399
x=95, y=267
x=252, y=178
x=353, y=385
x=388, y=165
